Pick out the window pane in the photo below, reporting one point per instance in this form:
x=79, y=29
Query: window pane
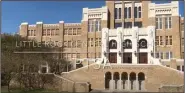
x=129, y=12
x=167, y=55
x=119, y=13
x=178, y=68
x=135, y=12
x=115, y=13
x=118, y=25
x=125, y=12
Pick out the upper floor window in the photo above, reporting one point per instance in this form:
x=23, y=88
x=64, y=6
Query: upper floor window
x=117, y=13
x=138, y=24
x=118, y=25
x=44, y=32
x=94, y=25
x=113, y=44
x=127, y=24
x=127, y=44
x=137, y=12
x=31, y=32
x=127, y=12
x=142, y=43
x=168, y=21
x=168, y=40
x=158, y=22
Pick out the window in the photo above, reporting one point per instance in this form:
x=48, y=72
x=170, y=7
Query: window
x=74, y=44
x=117, y=13
x=65, y=31
x=92, y=43
x=52, y=32
x=99, y=41
x=70, y=31
x=138, y=24
x=179, y=68
x=34, y=32
x=142, y=43
x=65, y=44
x=168, y=21
x=158, y=22
x=44, y=32
x=113, y=44
x=118, y=25
x=182, y=68
x=96, y=42
x=182, y=55
x=137, y=12
x=69, y=44
x=29, y=32
x=94, y=25
x=167, y=55
x=161, y=55
x=127, y=44
x=78, y=44
x=57, y=32
x=170, y=38
x=157, y=40
x=161, y=40
x=48, y=32
x=127, y=12
x=157, y=55
x=74, y=31
x=128, y=25
x=166, y=40
x=171, y=54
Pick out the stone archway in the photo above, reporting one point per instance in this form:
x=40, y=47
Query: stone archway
x=124, y=78
x=108, y=76
x=141, y=80
x=132, y=81
x=116, y=78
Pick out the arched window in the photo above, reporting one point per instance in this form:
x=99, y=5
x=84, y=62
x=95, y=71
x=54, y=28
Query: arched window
x=113, y=44
x=127, y=44
x=142, y=43
x=107, y=79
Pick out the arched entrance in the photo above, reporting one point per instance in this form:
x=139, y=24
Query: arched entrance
x=132, y=80
x=107, y=79
x=141, y=79
x=116, y=78
x=124, y=78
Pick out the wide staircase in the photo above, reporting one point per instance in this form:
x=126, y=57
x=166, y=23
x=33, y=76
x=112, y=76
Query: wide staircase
x=156, y=76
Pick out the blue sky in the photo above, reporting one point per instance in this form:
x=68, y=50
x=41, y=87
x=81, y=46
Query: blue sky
x=16, y=12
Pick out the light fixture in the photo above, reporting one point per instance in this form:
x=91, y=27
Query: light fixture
x=151, y=53
x=119, y=52
x=104, y=53
x=135, y=52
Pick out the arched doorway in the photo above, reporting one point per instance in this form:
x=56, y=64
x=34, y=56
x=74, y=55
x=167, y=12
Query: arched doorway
x=132, y=80
x=116, y=78
x=143, y=57
x=107, y=79
x=124, y=78
x=141, y=79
